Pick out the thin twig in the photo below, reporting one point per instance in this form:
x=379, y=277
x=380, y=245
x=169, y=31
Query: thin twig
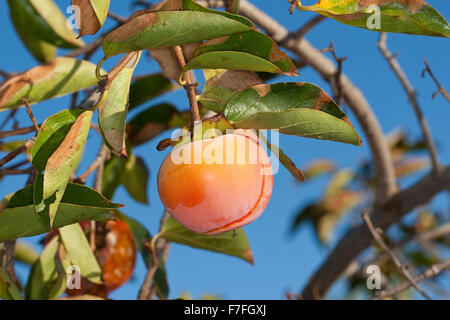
x=412, y=96
x=98, y=183
x=432, y=272
x=16, y=132
x=11, y=172
x=189, y=87
x=338, y=73
x=402, y=268
x=31, y=115
x=160, y=251
x=304, y=29
x=423, y=237
x=10, y=156
x=10, y=116
x=116, y=17
x=102, y=156
x=7, y=75
x=441, y=89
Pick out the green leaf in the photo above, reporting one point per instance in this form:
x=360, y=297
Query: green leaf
x=251, y=50
x=52, y=133
x=46, y=21
x=135, y=178
x=301, y=109
x=43, y=51
x=192, y=5
x=112, y=175
x=79, y=203
x=79, y=252
x=25, y=253
x=61, y=77
x=8, y=289
x=93, y=14
x=47, y=279
x=61, y=163
x=336, y=206
x=339, y=181
x=146, y=30
x=402, y=16
x=222, y=85
x=113, y=106
x=319, y=167
x=153, y=121
x=142, y=235
x=226, y=243
x=148, y=87
x=408, y=166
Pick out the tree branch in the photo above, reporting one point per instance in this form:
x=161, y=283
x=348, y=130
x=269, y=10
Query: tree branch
x=358, y=239
x=16, y=132
x=159, y=251
x=31, y=115
x=433, y=271
x=10, y=156
x=412, y=96
x=441, y=89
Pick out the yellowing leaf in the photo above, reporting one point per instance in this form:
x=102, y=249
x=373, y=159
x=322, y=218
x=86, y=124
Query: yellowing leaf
x=93, y=14
x=234, y=245
x=60, y=77
x=402, y=16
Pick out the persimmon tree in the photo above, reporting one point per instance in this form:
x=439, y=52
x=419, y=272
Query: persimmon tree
x=238, y=49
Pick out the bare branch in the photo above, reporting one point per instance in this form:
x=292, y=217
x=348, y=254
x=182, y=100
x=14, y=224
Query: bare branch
x=10, y=116
x=338, y=74
x=300, y=33
x=376, y=233
x=441, y=89
x=31, y=115
x=412, y=96
x=159, y=251
x=423, y=237
x=16, y=132
x=10, y=156
x=358, y=238
x=432, y=272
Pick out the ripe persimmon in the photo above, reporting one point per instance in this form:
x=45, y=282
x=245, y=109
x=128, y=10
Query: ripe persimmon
x=215, y=185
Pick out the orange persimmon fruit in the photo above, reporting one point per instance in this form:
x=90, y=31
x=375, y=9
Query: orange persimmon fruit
x=217, y=184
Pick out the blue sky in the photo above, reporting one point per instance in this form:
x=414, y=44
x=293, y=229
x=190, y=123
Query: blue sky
x=282, y=263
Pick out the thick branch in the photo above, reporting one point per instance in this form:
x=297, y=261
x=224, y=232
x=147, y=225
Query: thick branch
x=412, y=96
x=359, y=238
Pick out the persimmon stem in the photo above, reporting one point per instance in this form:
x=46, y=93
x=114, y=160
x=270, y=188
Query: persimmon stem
x=189, y=86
